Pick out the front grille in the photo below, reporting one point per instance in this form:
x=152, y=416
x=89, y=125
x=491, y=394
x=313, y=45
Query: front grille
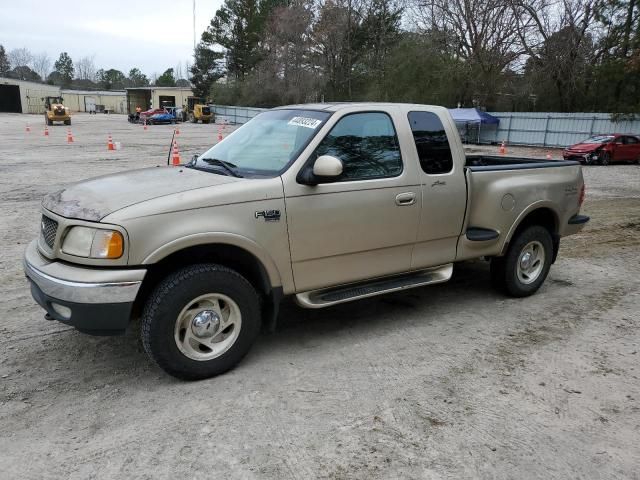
x=59, y=112
x=48, y=228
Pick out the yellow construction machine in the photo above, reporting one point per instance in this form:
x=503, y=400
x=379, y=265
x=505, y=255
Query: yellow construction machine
x=197, y=110
x=55, y=111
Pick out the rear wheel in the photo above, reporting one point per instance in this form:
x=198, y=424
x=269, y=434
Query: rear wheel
x=525, y=267
x=67, y=122
x=192, y=118
x=200, y=321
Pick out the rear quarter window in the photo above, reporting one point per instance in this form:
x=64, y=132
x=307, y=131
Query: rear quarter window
x=431, y=142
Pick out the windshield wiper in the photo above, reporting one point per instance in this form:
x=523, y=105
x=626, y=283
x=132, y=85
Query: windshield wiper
x=227, y=166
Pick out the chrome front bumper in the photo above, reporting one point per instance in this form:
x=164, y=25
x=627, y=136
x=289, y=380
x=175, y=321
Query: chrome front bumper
x=81, y=284
x=95, y=299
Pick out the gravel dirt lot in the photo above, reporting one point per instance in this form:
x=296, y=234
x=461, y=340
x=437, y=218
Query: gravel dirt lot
x=450, y=381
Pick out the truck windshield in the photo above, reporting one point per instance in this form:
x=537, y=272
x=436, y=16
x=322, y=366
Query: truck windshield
x=265, y=145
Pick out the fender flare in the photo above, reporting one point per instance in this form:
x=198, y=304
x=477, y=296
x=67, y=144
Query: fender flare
x=209, y=238
x=531, y=208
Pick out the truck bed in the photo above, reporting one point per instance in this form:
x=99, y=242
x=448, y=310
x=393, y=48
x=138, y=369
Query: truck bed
x=483, y=163
x=502, y=190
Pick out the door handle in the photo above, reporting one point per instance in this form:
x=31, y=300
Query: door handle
x=406, y=198
x=438, y=183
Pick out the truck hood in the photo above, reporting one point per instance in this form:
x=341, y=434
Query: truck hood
x=94, y=199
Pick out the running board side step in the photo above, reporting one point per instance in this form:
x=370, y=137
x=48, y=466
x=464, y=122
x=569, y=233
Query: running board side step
x=327, y=297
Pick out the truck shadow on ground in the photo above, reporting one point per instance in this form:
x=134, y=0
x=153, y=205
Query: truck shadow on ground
x=470, y=280
x=124, y=355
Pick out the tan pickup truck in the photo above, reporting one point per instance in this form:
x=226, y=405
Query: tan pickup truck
x=328, y=203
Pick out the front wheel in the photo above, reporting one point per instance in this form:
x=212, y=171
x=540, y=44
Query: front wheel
x=525, y=267
x=605, y=159
x=200, y=321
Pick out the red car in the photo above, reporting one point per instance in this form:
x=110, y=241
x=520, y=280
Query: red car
x=151, y=111
x=605, y=149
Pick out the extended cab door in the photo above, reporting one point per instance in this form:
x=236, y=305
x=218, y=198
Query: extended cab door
x=440, y=155
x=364, y=225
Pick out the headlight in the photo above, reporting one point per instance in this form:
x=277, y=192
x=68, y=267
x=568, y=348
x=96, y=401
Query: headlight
x=93, y=243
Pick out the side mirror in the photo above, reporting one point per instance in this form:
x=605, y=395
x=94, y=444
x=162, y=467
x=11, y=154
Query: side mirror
x=326, y=169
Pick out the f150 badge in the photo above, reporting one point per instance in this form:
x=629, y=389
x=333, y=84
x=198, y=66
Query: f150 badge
x=269, y=215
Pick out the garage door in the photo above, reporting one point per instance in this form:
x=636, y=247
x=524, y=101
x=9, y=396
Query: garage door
x=10, y=99
x=89, y=104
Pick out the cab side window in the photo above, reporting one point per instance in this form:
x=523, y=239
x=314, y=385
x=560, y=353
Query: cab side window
x=630, y=140
x=366, y=143
x=432, y=143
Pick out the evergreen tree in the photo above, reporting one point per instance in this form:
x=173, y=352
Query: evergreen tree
x=166, y=79
x=64, y=68
x=4, y=62
x=206, y=69
x=137, y=78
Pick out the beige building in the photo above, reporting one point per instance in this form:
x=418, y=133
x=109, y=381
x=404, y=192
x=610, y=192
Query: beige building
x=156, y=97
x=113, y=101
x=20, y=96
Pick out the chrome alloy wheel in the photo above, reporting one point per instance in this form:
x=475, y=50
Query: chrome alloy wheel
x=530, y=262
x=208, y=326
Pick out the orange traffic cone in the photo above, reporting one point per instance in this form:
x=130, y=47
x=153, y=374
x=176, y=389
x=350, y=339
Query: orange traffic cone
x=503, y=149
x=145, y=124
x=110, y=145
x=177, y=131
x=28, y=128
x=46, y=131
x=175, y=158
x=69, y=136
x=219, y=134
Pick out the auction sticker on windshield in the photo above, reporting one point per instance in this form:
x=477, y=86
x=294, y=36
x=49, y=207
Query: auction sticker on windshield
x=305, y=122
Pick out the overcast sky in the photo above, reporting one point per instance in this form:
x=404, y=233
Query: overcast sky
x=152, y=35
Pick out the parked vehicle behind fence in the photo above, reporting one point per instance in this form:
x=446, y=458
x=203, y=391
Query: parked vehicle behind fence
x=605, y=149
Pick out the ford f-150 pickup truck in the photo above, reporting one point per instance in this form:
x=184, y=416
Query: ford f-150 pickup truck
x=328, y=203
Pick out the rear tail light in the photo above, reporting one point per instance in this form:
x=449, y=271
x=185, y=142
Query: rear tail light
x=582, y=195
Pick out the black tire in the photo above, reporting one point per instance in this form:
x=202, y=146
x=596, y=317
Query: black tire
x=605, y=159
x=504, y=270
x=67, y=122
x=177, y=291
x=205, y=121
x=49, y=122
x=192, y=118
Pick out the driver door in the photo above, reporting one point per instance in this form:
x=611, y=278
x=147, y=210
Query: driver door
x=364, y=225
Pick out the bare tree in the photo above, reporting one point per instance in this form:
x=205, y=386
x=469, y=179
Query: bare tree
x=557, y=36
x=177, y=71
x=85, y=68
x=286, y=72
x=41, y=64
x=20, y=57
x=483, y=33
